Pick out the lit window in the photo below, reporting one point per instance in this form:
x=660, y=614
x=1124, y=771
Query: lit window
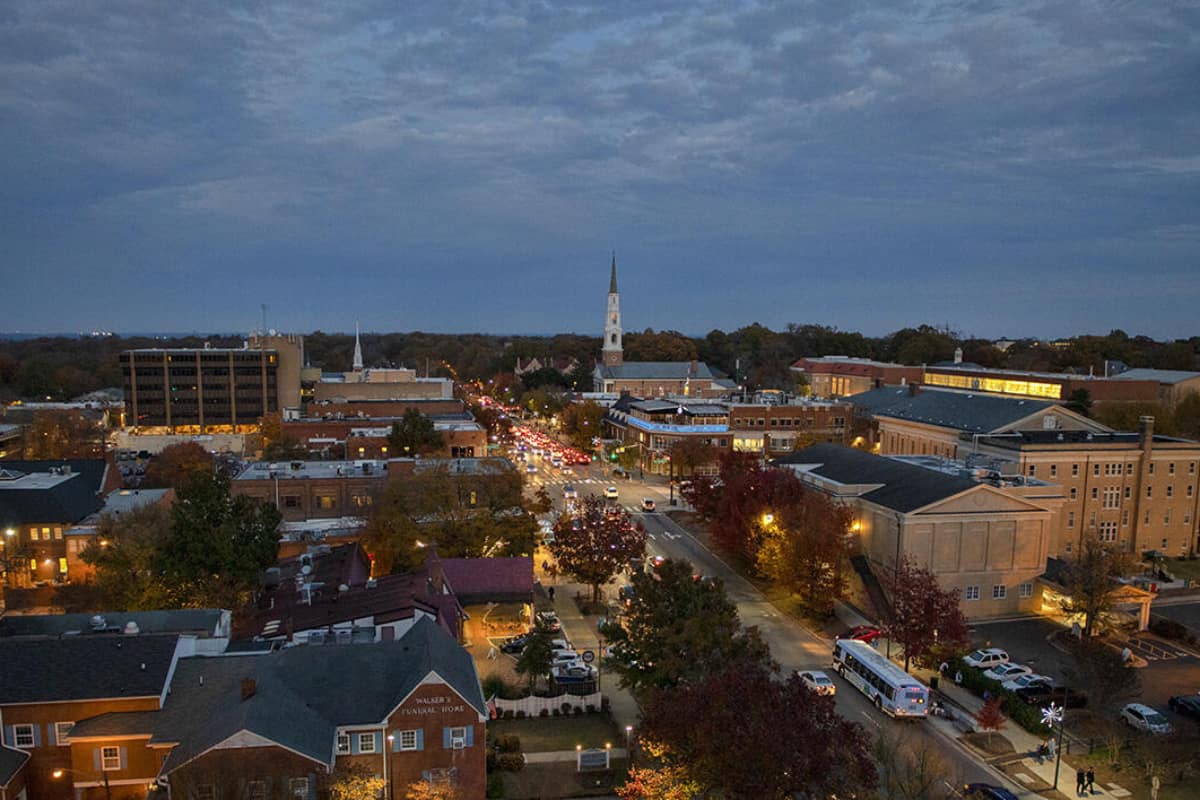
x=110, y=759
x=62, y=565
x=326, y=501
x=23, y=735
x=33, y=534
x=366, y=743
x=343, y=743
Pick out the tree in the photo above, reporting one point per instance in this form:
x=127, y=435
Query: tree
x=424, y=790
x=1080, y=402
x=1088, y=582
x=788, y=739
x=1100, y=671
x=736, y=500
x=355, y=782
x=176, y=464
x=537, y=656
x=688, y=453
x=414, y=435
x=216, y=545
x=595, y=544
x=66, y=433
x=805, y=546
x=581, y=422
x=927, y=621
x=989, y=718
x=678, y=631
x=659, y=782
x=126, y=557
x=917, y=772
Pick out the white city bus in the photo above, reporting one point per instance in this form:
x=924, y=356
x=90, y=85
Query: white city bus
x=889, y=687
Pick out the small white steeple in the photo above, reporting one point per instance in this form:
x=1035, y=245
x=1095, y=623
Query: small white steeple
x=611, y=352
x=358, y=363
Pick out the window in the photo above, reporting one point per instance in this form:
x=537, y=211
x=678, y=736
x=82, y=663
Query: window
x=343, y=743
x=1170, y=491
x=1171, y=468
x=1125, y=518
x=298, y=787
x=1151, y=467
x=33, y=534
x=1096, y=470
x=1167, y=517
x=256, y=790
x=1068, y=547
x=1149, y=491
x=1189, y=490
x=1095, y=493
x=1164, y=543
x=1191, y=468
x=1026, y=591
x=206, y=791
x=326, y=501
x=1032, y=470
x=1108, y=531
x=1070, y=519
x=1112, y=497
x=999, y=592
x=407, y=740
x=1074, y=493
x=366, y=743
x=62, y=564
x=458, y=738
x=110, y=759
x=45, y=534
x=62, y=733
x=57, y=532
x=360, y=500
x=972, y=593
x=291, y=501
x=1129, y=468
x=23, y=735
x=1054, y=470
x=1128, y=492
x=1074, y=470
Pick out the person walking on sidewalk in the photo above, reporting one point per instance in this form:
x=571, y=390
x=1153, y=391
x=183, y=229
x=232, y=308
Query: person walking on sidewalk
x=1091, y=781
x=1080, y=782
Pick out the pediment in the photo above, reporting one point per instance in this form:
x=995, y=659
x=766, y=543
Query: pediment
x=982, y=499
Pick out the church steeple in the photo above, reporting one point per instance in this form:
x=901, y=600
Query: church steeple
x=358, y=362
x=612, y=353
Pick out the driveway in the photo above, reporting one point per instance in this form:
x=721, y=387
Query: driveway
x=1027, y=643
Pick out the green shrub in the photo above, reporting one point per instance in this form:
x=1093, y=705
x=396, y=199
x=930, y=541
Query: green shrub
x=545, y=712
x=579, y=711
x=566, y=708
x=508, y=714
x=520, y=714
x=591, y=708
x=495, y=785
x=510, y=762
x=494, y=686
x=558, y=712
x=508, y=743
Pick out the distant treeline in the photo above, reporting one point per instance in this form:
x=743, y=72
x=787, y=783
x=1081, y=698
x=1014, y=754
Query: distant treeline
x=63, y=368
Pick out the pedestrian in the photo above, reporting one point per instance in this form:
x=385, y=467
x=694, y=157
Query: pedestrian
x=1091, y=781
x=958, y=678
x=550, y=592
x=943, y=667
x=1080, y=781
x=986, y=695
x=545, y=565
x=1051, y=747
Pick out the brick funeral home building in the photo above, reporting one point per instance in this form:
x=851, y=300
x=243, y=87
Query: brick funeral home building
x=130, y=716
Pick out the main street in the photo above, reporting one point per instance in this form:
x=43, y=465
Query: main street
x=792, y=645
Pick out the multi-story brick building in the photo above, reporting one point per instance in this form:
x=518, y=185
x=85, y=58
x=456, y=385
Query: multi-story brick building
x=1167, y=387
x=842, y=376
x=361, y=438
x=775, y=428
x=217, y=390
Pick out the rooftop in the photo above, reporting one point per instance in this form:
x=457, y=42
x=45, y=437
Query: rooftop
x=963, y=411
x=201, y=622
x=1072, y=439
x=85, y=667
x=1161, y=375
x=658, y=370
x=312, y=470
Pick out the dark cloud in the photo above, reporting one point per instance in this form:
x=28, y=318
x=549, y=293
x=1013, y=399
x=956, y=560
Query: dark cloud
x=1007, y=167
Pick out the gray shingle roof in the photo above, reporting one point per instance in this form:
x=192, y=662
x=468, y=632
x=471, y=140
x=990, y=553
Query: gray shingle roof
x=905, y=487
x=199, y=621
x=11, y=762
x=1160, y=375
x=84, y=668
x=657, y=370
x=37, y=497
x=117, y=723
x=962, y=411
x=299, y=699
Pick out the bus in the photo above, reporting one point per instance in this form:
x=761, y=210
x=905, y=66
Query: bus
x=891, y=689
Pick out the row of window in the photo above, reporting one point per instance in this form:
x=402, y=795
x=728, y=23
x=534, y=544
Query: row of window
x=44, y=533
x=367, y=742
x=256, y=790
x=1146, y=518
x=27, y=735
x=999, y=591
x=784, y=422
x=1113, y=469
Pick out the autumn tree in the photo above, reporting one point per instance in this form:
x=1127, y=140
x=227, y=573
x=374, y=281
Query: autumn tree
x=537, y=656
x=424, y=790
x=787, y=738
x=581, y=422
x=66, y=433
x=355, y=782
x=678, y=631
x=927, y=621
x=804, y=546
x=660, y=780
x=467, y=514
x=1089, y=581
x=687, y=454
x=735, y=501
x=594, y=544
x=414, y=434
x=125, y=556
x=989, y=718
x=176, y=464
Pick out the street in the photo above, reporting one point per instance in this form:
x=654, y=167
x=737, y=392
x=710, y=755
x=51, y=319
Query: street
x=792, y=645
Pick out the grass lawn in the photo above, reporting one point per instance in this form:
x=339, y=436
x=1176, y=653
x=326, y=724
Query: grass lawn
x=560, y=779
x=1182, y=568
x=548, y=734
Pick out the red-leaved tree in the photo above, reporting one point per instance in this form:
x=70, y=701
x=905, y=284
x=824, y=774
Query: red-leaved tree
x=989, y=718
x=594, y=545
x=927, y=621
x=787, y=738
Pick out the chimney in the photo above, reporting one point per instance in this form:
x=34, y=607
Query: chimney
x=248, y=688
x=958, y=355
x=695, y=370
x=1146, y=433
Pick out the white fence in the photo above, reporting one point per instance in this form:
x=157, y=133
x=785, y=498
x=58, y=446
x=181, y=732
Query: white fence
x=532, y=706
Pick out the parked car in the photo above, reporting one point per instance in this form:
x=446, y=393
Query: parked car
x=1144, y=718
x=1186, y=704
x=549, y=620
x=564, y=658
x=574, y=673
x=647, y=504
x=611, y=493
x=818, y=682
x=1006, y=672
x=985, y=659
x=863, y=633
x=986, y=791
x=1061, y=696
x=513, y=644
x=1029, y=680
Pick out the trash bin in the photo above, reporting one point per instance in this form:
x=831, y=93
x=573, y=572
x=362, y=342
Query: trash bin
x=933, y=683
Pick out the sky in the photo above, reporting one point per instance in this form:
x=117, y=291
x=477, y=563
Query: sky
x=1003, y=168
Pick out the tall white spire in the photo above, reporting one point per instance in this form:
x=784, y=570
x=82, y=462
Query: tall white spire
x=611, y=352
x=358, y=364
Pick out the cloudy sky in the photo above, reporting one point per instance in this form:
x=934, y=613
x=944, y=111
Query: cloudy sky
x=1007, y=168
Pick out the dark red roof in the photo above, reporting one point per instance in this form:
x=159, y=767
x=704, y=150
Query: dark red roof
x=489, y=579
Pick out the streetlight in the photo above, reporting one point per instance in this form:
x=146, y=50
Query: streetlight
x=1052, y=715
x=58, y=773
x=628, y=751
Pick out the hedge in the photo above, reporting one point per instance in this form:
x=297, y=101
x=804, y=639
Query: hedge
x=1027, y=716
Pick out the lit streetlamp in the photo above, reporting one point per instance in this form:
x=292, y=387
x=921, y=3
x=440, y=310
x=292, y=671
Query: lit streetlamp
x=1053, y=715
x=60, y=772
